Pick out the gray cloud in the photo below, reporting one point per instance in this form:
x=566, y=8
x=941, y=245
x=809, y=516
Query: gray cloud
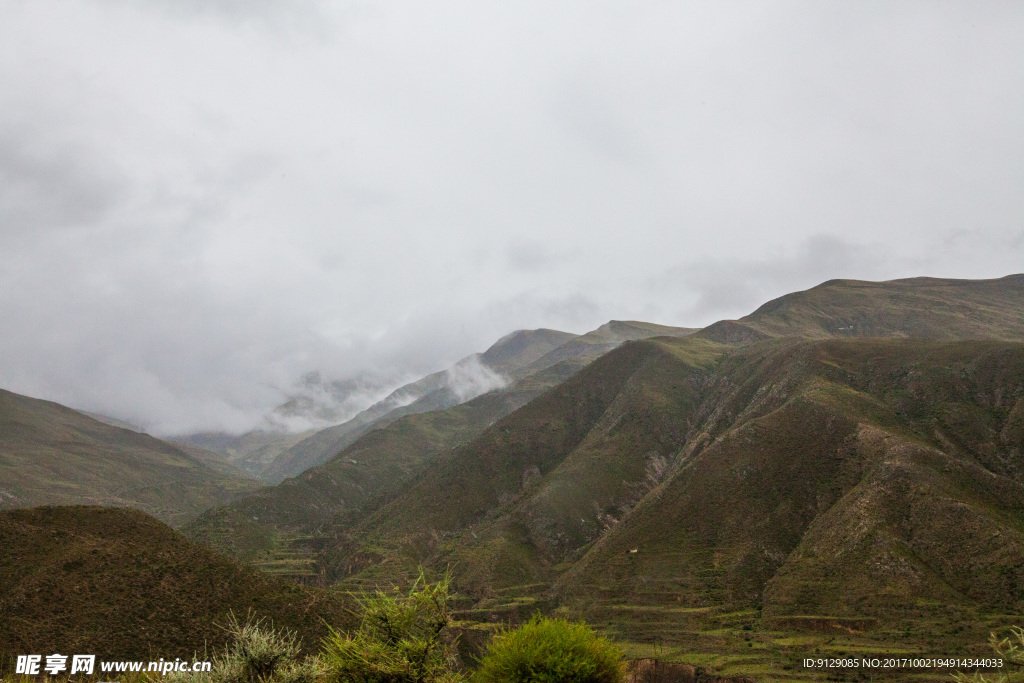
x=202, y=202
x=733, y=287
x=307, y=18
x=533, y=255
x=50, y=188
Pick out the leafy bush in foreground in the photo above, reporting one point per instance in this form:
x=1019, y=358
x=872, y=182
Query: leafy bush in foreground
x=402, y=639
x=551, y=651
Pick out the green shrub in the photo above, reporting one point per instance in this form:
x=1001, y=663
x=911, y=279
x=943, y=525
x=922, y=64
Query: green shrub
x=401, y=639
x=256, y=654
x=551, y=651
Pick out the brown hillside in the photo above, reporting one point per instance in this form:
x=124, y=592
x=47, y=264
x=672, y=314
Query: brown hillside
x=119, y=584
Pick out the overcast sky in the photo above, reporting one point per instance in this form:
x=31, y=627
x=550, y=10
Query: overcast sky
x=201, y=201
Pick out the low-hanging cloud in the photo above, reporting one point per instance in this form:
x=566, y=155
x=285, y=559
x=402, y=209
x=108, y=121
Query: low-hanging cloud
x=470, y=378
x=313, y=403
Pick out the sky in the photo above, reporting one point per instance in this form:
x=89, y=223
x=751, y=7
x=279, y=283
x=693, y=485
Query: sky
x=201, y=201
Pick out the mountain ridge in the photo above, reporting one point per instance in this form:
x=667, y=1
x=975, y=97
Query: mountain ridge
x=432, y=392
x=51, y=454
x=910, y=307
x=516, y=355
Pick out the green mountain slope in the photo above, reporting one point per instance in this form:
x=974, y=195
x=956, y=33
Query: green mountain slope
x=210, y=458
x=121, y=585
x=844, y=478
x=282, y=528
x=468, y=482
x=542, y=483
x=435, y=502
x=676, y=487
x=514, y=356
x=436, y=391
x=253, y=452
x=520, y=348
x=596, y=343
x=918, y=308
x=52, y=455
